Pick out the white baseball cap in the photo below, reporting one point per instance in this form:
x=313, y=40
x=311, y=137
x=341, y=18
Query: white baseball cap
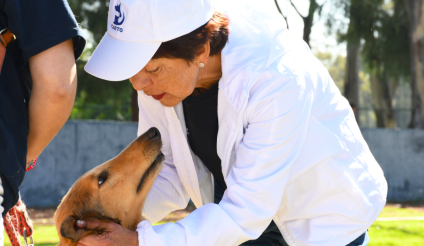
x=136, y=29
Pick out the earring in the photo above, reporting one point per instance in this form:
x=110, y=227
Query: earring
x=201, y=64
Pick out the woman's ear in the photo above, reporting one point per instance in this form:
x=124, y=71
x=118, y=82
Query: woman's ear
x=203, y=54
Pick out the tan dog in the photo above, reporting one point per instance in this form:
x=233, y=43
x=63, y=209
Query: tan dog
x=114, y=191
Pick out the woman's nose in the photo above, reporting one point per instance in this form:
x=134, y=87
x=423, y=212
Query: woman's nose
x=139, y=82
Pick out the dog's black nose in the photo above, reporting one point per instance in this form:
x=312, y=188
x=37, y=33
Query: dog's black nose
x=153, y=133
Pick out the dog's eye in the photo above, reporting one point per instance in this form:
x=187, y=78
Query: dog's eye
x=102, y=177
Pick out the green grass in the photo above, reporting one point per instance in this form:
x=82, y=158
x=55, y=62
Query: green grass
x=382, y=233
x=391, y=233
x=45, y=235
x=394, y=233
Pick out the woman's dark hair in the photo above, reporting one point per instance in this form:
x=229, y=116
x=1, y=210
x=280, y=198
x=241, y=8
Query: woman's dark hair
x=188, y=46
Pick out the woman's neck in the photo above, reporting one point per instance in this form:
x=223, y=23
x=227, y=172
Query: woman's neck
x=210, y=74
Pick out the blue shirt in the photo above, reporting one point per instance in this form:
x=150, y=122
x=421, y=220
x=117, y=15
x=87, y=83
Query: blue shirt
x=38, y=25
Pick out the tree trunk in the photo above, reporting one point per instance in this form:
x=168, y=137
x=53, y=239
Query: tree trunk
x=134, y=106
x=279, y=10
x=415, y=9
x=351, y=84
x=382, y=101
x=308, y=21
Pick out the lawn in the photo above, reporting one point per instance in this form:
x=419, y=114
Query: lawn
x=391, y=233
x=382, y=233
x=44, y=235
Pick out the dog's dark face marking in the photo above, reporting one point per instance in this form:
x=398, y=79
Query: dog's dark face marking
x=114, y=191
x=151, y=170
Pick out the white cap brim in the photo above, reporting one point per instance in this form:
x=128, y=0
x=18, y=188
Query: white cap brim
x=117, y=60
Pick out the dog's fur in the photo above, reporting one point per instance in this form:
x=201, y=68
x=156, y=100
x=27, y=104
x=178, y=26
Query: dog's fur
x=127, y=179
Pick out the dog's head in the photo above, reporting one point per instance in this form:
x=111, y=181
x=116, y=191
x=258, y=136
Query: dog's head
x=114, y=191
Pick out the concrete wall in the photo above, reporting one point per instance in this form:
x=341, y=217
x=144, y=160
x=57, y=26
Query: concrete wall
x=77, y=148
x=400, y=154
x=82, y=145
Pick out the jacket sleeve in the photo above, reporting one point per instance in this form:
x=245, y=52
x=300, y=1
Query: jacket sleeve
x=277, y=114
x=167, y=193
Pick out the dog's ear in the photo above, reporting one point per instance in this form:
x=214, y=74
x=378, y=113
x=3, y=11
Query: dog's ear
x=69, y=229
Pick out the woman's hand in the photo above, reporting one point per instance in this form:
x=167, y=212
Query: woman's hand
x=114, y=235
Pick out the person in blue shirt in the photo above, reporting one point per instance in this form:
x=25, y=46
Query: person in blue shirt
x=37, y=85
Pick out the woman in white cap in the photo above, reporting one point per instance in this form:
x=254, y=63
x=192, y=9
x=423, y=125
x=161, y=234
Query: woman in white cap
x=236, y=95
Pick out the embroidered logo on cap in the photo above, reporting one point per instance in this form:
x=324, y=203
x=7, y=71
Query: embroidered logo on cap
x=116, y=21
x=119, y=18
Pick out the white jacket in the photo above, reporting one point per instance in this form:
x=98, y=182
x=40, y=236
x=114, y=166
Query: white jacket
x=290, y=148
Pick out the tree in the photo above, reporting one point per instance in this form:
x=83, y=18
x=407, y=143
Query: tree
x=415, y=10
x=385, y=59
x=361, y=15
x=378, y=31
x=352, y=9
x=308, y=20
x=96, y=98
x=351, y=80
x=335, y=67
x=279, y=10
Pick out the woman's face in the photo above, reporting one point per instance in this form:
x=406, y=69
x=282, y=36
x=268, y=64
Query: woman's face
x=167, y=80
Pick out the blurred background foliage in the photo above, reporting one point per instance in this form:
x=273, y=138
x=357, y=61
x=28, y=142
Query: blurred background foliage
x=374, y=73
x=96, y=98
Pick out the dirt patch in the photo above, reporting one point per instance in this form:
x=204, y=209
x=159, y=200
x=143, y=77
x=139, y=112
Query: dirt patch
x=419, y=206
x=42, y=216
